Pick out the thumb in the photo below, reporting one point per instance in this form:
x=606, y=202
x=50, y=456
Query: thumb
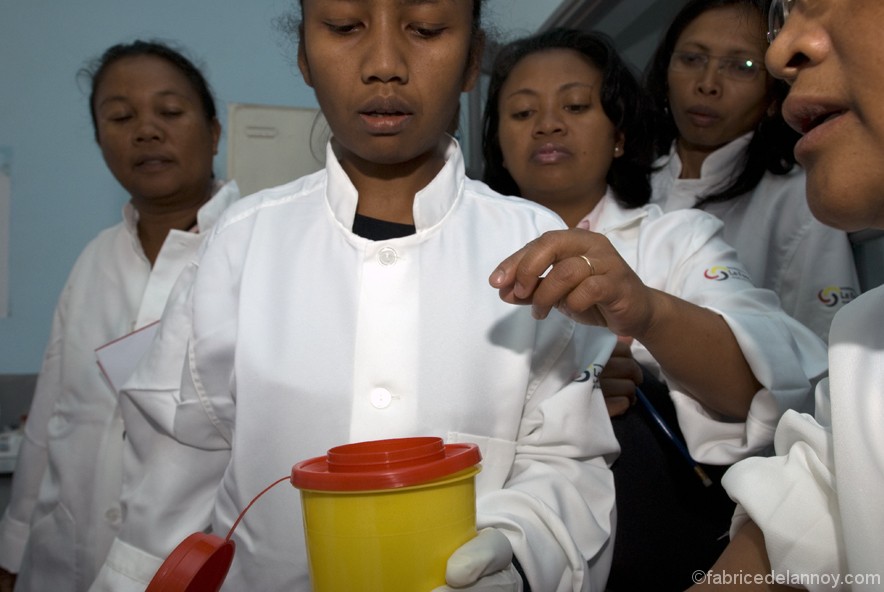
x=490, y=551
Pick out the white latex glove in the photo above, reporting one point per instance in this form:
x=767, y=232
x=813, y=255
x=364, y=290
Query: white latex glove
x=483, y=564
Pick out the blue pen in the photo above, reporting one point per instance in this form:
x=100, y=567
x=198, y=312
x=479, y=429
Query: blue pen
x=669, y=434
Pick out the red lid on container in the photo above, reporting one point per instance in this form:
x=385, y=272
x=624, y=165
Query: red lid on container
x=198, y=564
x=384, y=464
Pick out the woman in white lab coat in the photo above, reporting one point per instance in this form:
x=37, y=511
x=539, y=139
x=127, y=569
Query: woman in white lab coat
x=155, y=123
x=811, y=517
x=353, y=305
x=723, y=147
x=564, y=126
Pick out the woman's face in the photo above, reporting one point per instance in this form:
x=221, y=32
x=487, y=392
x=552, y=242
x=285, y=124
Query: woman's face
x=387, y=74
x=709, y=108
x=556, y=139
x=831, y=54
x=154, y=134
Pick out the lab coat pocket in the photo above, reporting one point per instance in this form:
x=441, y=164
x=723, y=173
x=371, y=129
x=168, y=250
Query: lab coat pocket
x=497, y=460
x=60, y=426
x=50, y=561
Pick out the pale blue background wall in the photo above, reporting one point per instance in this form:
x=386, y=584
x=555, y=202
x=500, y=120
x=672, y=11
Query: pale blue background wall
x=62, y=194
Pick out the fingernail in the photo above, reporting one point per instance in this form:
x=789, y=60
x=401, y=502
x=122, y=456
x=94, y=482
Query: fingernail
x=497, y=277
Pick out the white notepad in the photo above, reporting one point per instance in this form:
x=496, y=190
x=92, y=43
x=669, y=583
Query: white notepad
x=118, y=358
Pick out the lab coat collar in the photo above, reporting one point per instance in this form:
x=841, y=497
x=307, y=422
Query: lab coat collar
x=610, y=215
x=718, y=166
x=223, y=194
x=431, y=203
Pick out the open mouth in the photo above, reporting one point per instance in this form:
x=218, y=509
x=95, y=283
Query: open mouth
x=804, y=114
x=152, y=160
x=382, y=107
x=387, y=115
x=810, y=124
x=380, y=114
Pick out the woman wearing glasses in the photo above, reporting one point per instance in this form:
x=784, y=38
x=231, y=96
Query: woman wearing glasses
x=725, y=148
x=722, y=146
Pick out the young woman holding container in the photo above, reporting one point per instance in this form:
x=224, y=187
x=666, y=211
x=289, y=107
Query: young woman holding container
x=353, y=305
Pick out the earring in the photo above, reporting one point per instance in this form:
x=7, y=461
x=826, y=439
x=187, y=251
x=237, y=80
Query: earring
x=617, y=150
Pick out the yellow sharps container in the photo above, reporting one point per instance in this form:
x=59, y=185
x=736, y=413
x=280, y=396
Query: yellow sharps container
x=385, y=515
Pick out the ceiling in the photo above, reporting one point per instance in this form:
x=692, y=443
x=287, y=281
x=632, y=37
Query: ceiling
x=635, y=25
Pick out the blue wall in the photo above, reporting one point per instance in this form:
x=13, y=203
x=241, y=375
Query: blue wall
x=62, y=194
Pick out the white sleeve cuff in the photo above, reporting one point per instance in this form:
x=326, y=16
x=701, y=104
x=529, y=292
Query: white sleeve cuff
x=126, y=568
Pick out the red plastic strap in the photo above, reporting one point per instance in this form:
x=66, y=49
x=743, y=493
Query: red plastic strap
x=254, y=499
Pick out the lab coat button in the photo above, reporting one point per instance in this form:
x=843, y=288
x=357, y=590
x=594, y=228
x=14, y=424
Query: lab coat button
x=380, y=398
x=113, y=515
x=387, y=256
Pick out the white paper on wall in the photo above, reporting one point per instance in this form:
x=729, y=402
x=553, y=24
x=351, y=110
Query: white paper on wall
x=269, y=145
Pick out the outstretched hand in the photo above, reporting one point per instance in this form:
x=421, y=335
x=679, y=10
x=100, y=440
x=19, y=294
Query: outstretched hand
x=581, y=274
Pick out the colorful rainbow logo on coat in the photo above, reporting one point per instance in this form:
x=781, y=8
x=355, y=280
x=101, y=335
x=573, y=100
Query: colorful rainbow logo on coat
x=591, y=373
x=834, y=295
x=719, y=273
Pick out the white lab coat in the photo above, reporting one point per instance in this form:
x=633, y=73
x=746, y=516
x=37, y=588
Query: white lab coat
x=819, y=501
x=682, y=253
x=783, y=247
x=306, y=336
x=64, y=510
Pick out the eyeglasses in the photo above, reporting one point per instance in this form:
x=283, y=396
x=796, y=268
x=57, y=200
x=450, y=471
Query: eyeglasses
x=776, y=18
x=735, y=68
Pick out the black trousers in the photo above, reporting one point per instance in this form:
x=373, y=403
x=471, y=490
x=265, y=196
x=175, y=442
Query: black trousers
x=668, y=523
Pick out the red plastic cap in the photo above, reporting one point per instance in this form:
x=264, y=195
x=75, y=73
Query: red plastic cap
x=384, y=464
x=198, y=564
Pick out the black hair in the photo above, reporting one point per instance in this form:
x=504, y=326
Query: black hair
x=623, y=102
x=97, y=68
x=773, y=142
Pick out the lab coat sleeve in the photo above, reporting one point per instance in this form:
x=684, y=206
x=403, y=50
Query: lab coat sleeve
x=784, y=355
x=33, y=456
x=176, y=450
x=818, y=501
x=557, y=504
x=793, y=499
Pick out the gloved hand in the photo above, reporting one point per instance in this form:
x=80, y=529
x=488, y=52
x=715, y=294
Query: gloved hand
x=483, y=564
